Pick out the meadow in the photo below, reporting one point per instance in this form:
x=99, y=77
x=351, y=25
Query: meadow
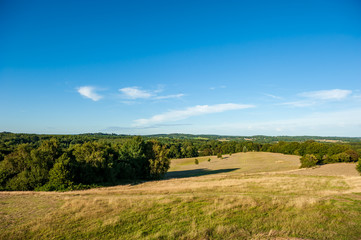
x=253, y=195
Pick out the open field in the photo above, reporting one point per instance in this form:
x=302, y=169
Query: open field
x=246, y=163
x=243, y=196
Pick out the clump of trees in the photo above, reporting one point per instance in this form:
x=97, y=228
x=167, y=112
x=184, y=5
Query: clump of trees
x=53, y=167
x=315, y=153
x=308, y=160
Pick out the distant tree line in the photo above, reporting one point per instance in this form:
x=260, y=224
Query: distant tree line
x=63, y=162
x=316, y=153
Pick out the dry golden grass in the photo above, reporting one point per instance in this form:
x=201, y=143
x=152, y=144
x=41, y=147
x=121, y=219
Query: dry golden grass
x=250, y=162
x=265, y=197
x=335, y=169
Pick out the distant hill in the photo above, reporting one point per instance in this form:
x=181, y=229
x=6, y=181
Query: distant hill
x=256, y=138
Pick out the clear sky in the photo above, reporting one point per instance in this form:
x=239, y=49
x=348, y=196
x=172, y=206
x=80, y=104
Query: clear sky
x=201, y=67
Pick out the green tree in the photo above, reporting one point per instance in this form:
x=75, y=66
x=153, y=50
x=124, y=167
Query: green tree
x=14, y=164
x=244, y=149
x=133, y=159
x=158, y=160
x=309, y=160
x=94, y=163
x=61, y=175
x=42, y=160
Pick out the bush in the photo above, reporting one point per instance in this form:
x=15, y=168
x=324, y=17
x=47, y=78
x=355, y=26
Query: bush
x=219, y=155
x=348, y=156
x=358, y=166
x=196, y=161
x=244, y=149
x=309, y=160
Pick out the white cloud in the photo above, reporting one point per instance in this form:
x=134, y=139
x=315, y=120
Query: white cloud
x=334, y=94
x=337, y=123
x=89, y=92
x=319, y=97
x=214, y=88
x=170, y=96
x=299, y=103
x=273, y=96
x=135, y=93
x=175, y=115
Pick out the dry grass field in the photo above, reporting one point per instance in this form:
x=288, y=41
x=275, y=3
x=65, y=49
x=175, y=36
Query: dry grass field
x=238, y=163
x=243, y=196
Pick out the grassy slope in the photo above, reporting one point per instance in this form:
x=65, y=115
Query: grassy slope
x=226, y=205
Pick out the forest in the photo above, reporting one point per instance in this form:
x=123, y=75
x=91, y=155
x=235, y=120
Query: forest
x=68, y=162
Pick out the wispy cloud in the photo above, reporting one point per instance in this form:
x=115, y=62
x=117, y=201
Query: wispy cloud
x=272, y=96
x=115, y=129
x=169, y=96
x=337, y=123
x=318, y=97
x=334, y=94
x=137, y=93
x=89, y=92
x=214, y=88
x=302, y=103
x=176, y=115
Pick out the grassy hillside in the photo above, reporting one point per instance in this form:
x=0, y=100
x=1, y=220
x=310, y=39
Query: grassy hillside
x=250, y=162
x=244, y=196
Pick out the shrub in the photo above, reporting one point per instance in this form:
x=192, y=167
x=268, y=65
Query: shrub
x=244, y=149
x=219, y=155
x=309, y=160
x=348, y=156
x=358, y=166
x=209, y=159
x=196, y=161
x=353, y=155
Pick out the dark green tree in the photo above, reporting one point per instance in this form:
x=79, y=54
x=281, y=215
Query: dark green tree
x=309, y=160
x=157, y=160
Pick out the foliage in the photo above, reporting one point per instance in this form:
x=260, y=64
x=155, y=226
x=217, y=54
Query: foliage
x=244, y=149
x=309, y=160
x=53, y=167
x=158, y=160
x=358, y=166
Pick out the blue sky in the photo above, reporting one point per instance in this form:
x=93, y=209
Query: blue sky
x=201, y=67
